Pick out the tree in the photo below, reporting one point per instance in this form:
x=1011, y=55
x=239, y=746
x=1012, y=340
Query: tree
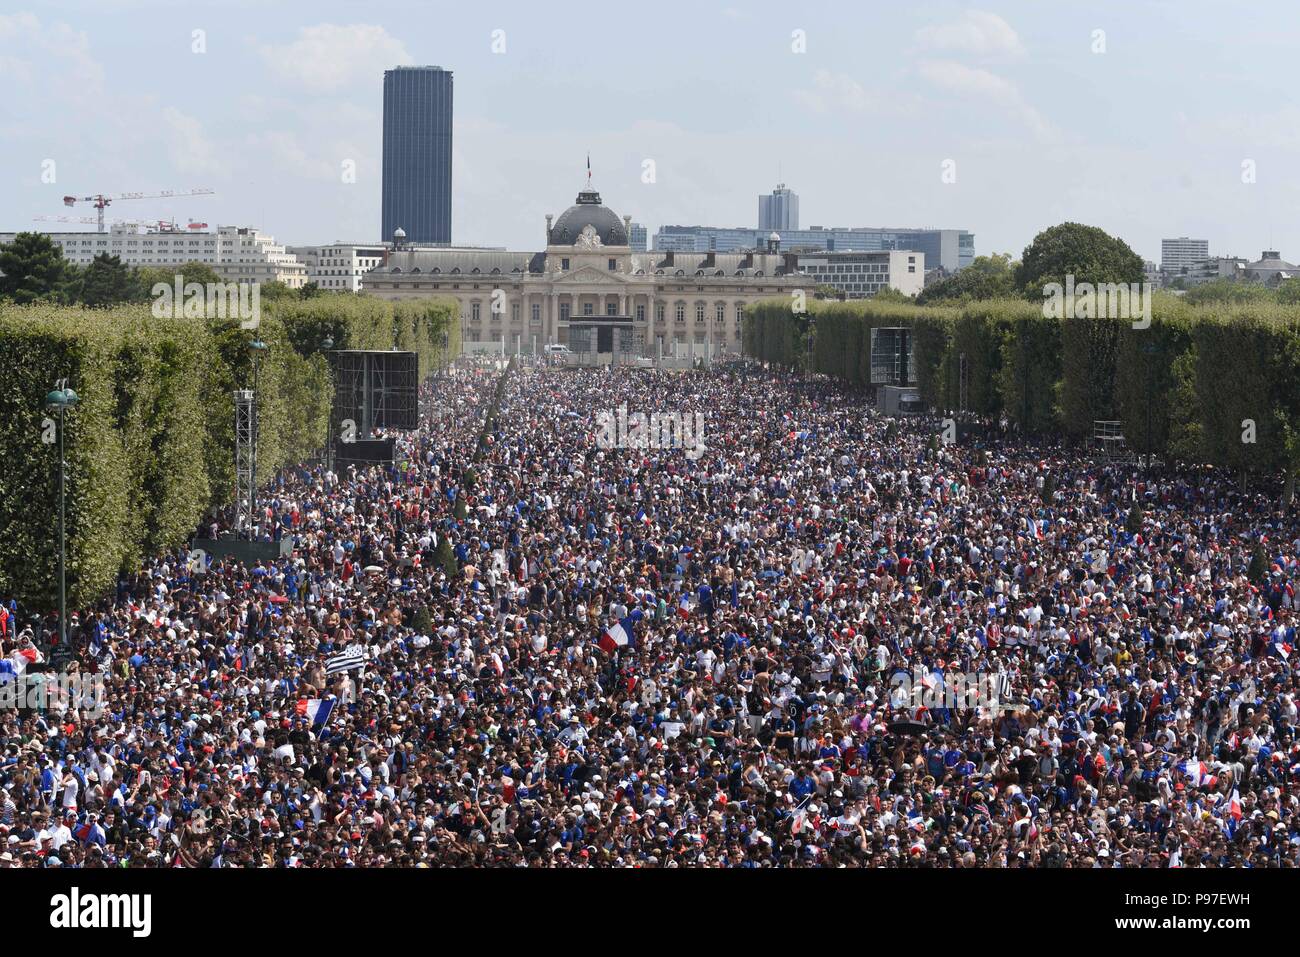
x=277, y=290
x=987, y=277
x=105, y=282
x=1229, y=290
x=1087, y=253
x=309, y=290
x=1257, y=572
x=146, y=277
x=1133, y=524
x=33, y=268
x=890, y=294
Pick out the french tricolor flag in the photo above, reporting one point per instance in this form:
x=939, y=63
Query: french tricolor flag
x=684, y=606
x=315, y=710
x=620, y=634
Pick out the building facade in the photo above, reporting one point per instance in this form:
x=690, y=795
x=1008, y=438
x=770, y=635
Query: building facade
x=417, y=153
x=1178, y=256
x=235, y=253
x=860, y=275
x=778, y=210
x=339, y=267
x=588, y=270
x=638, y=237
x=948, y=249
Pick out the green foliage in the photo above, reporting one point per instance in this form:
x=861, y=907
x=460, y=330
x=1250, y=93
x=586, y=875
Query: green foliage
x=149, y=276
x=150, y=445
x=1085, y=252
x=1257, y=571
x=1088, y=357
x=1229, y=291
x=105, y=282
x=1182, y=386
x=1133, y=523
x=987, y=277
x=32, y=268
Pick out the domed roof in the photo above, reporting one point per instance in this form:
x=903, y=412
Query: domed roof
x=568, y=229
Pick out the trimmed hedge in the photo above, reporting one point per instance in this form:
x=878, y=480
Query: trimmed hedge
x=150, y=445
x=1196, y=386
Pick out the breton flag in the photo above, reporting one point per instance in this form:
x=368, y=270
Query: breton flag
x=315, y=710
x=620, y=634
x=353, y=657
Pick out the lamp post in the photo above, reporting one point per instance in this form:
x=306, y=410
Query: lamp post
x=327, y=345
x=1149, y=349
x=60, y=400
x=258, y=347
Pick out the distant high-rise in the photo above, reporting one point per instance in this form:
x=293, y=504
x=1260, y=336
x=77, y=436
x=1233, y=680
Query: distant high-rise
x=417, y=154
x=1177, y=256
x=637, y=238
x=779, y=209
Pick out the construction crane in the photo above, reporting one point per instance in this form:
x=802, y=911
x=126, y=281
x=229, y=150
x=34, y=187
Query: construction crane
x=63, y=219
x=99, y=200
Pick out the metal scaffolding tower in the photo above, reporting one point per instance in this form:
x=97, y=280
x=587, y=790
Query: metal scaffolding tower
x=245, y=461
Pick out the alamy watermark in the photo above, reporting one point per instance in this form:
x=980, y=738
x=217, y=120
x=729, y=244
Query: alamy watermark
x=213, y=300
x=621, y=429
x=951, y=690
x=1110, y=300
x=54, y=691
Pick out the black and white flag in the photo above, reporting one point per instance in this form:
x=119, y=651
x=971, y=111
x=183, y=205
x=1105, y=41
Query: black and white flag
x=354, y=656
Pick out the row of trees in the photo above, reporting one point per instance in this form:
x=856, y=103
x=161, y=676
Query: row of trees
x=33, y=269
x=1202, y=384
x=150, y=445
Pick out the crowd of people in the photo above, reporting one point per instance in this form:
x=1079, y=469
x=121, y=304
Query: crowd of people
x=520, y=646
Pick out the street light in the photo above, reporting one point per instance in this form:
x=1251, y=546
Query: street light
x=60, y=400
x=326, y=345
x=258, y=347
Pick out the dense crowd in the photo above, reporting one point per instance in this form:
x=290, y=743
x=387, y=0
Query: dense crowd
x=548, y=652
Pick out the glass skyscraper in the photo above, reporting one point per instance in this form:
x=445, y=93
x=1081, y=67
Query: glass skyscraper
x=779, y=209
x=417, y=153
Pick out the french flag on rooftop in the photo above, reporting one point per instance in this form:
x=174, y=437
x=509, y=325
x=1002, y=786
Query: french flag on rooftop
x=620, y=634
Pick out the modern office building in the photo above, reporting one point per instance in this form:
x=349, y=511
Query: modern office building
x=1179, y=255
x=235, y=253
x=339, y=267
x=778, y=210
x=589, y=275
x=638, y=238
x=861, y=275
x=949, y=249
x=417, y=153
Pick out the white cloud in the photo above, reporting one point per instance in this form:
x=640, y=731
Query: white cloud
x=189, y=148
x=835, y=91
x=54, y=57
x=329, y=56
x=975, y=32
x=980, y=84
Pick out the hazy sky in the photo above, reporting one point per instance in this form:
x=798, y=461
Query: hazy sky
x=1146, y=139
